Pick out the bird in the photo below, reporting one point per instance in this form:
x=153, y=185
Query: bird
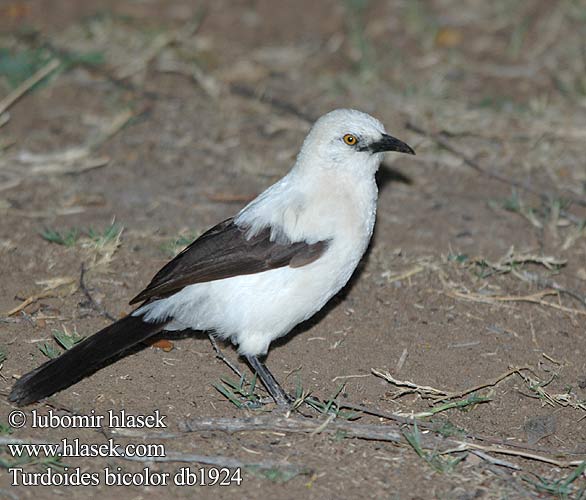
x=253, y=277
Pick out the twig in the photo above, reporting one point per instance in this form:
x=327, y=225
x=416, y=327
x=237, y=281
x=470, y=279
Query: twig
x=344, y=377
x=534, y=298
x=495, y=461
x=281, y=105
x=218, y=460
x=547, y=283
x=30, y=300
x=95, y=306
x=221, y=356
x=472, y=163
x=412, y=387
x=29, y=83
x=292, y=424
x=441, y=395
x=490, y=383
x=50, y=285
x=405, y=274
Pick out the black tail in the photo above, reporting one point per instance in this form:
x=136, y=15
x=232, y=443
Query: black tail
x=82, y=359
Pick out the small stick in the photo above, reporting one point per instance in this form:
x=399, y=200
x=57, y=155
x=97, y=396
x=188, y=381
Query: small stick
x=221, y=356
x=490, y=383
x=495, y=461
x=274, y=102
x=472, y=163
x=218, y=461
x=28, y=301
x=29, y=83
x=97, y=307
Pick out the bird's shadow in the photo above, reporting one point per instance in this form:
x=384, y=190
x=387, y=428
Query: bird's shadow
x=387, y=175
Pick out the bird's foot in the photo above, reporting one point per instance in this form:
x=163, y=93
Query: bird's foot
x=281, y=398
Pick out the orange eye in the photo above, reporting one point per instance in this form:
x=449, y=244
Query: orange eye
x=350, y=139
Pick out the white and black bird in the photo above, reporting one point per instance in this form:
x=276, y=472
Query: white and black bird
x=255, y=276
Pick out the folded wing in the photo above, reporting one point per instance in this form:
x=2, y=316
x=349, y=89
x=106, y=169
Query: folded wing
x=225, y=251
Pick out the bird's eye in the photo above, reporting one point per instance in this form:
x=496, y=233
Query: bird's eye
x=350, y=139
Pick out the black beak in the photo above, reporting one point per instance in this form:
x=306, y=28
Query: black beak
x=389, y=143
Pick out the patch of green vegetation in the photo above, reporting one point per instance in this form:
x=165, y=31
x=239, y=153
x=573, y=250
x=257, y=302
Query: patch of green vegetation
x=447, y=429
x=502, y=104
x=459, y=258
x=440, y=463
x=421, y=22
x=278, y=475
x=72, y=59
x=241, y=394
x=5, y=429
x=563, y=488
x=67, y=239
x=50, y=350
x=329, y=407
x=366, y=57
x=517, y=39
x=464, y=405
x=570, y=86
x=66, y=340
x=16, y=67
x=176, y=245
x=108, y=235
x=71, y=237
x=26, y=459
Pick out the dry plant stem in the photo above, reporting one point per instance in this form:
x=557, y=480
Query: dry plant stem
x=30, y=300
x=495, y=461
x=218, y=460
x=95, y=306
x=221, y=357
x=544, y=196
x=50, y=291
x=546, y=283
x=29, y=83
x=445, y=395
x=534, y=298
x=411, y=386
x=279, y=104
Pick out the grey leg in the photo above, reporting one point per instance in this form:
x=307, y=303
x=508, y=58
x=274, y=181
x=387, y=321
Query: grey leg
x=271, y=384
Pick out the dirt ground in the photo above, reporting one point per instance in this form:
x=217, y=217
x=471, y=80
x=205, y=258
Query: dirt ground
x=166, y=117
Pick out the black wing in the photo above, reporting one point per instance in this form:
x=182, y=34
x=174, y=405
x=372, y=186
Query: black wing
x=223, y=252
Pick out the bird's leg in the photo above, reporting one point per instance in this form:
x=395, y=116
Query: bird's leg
x=269, y=381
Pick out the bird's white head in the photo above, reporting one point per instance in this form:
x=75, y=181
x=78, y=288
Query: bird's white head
x=350, y=140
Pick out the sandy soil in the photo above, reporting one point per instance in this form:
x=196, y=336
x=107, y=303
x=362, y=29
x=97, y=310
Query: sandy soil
x=476, y=277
